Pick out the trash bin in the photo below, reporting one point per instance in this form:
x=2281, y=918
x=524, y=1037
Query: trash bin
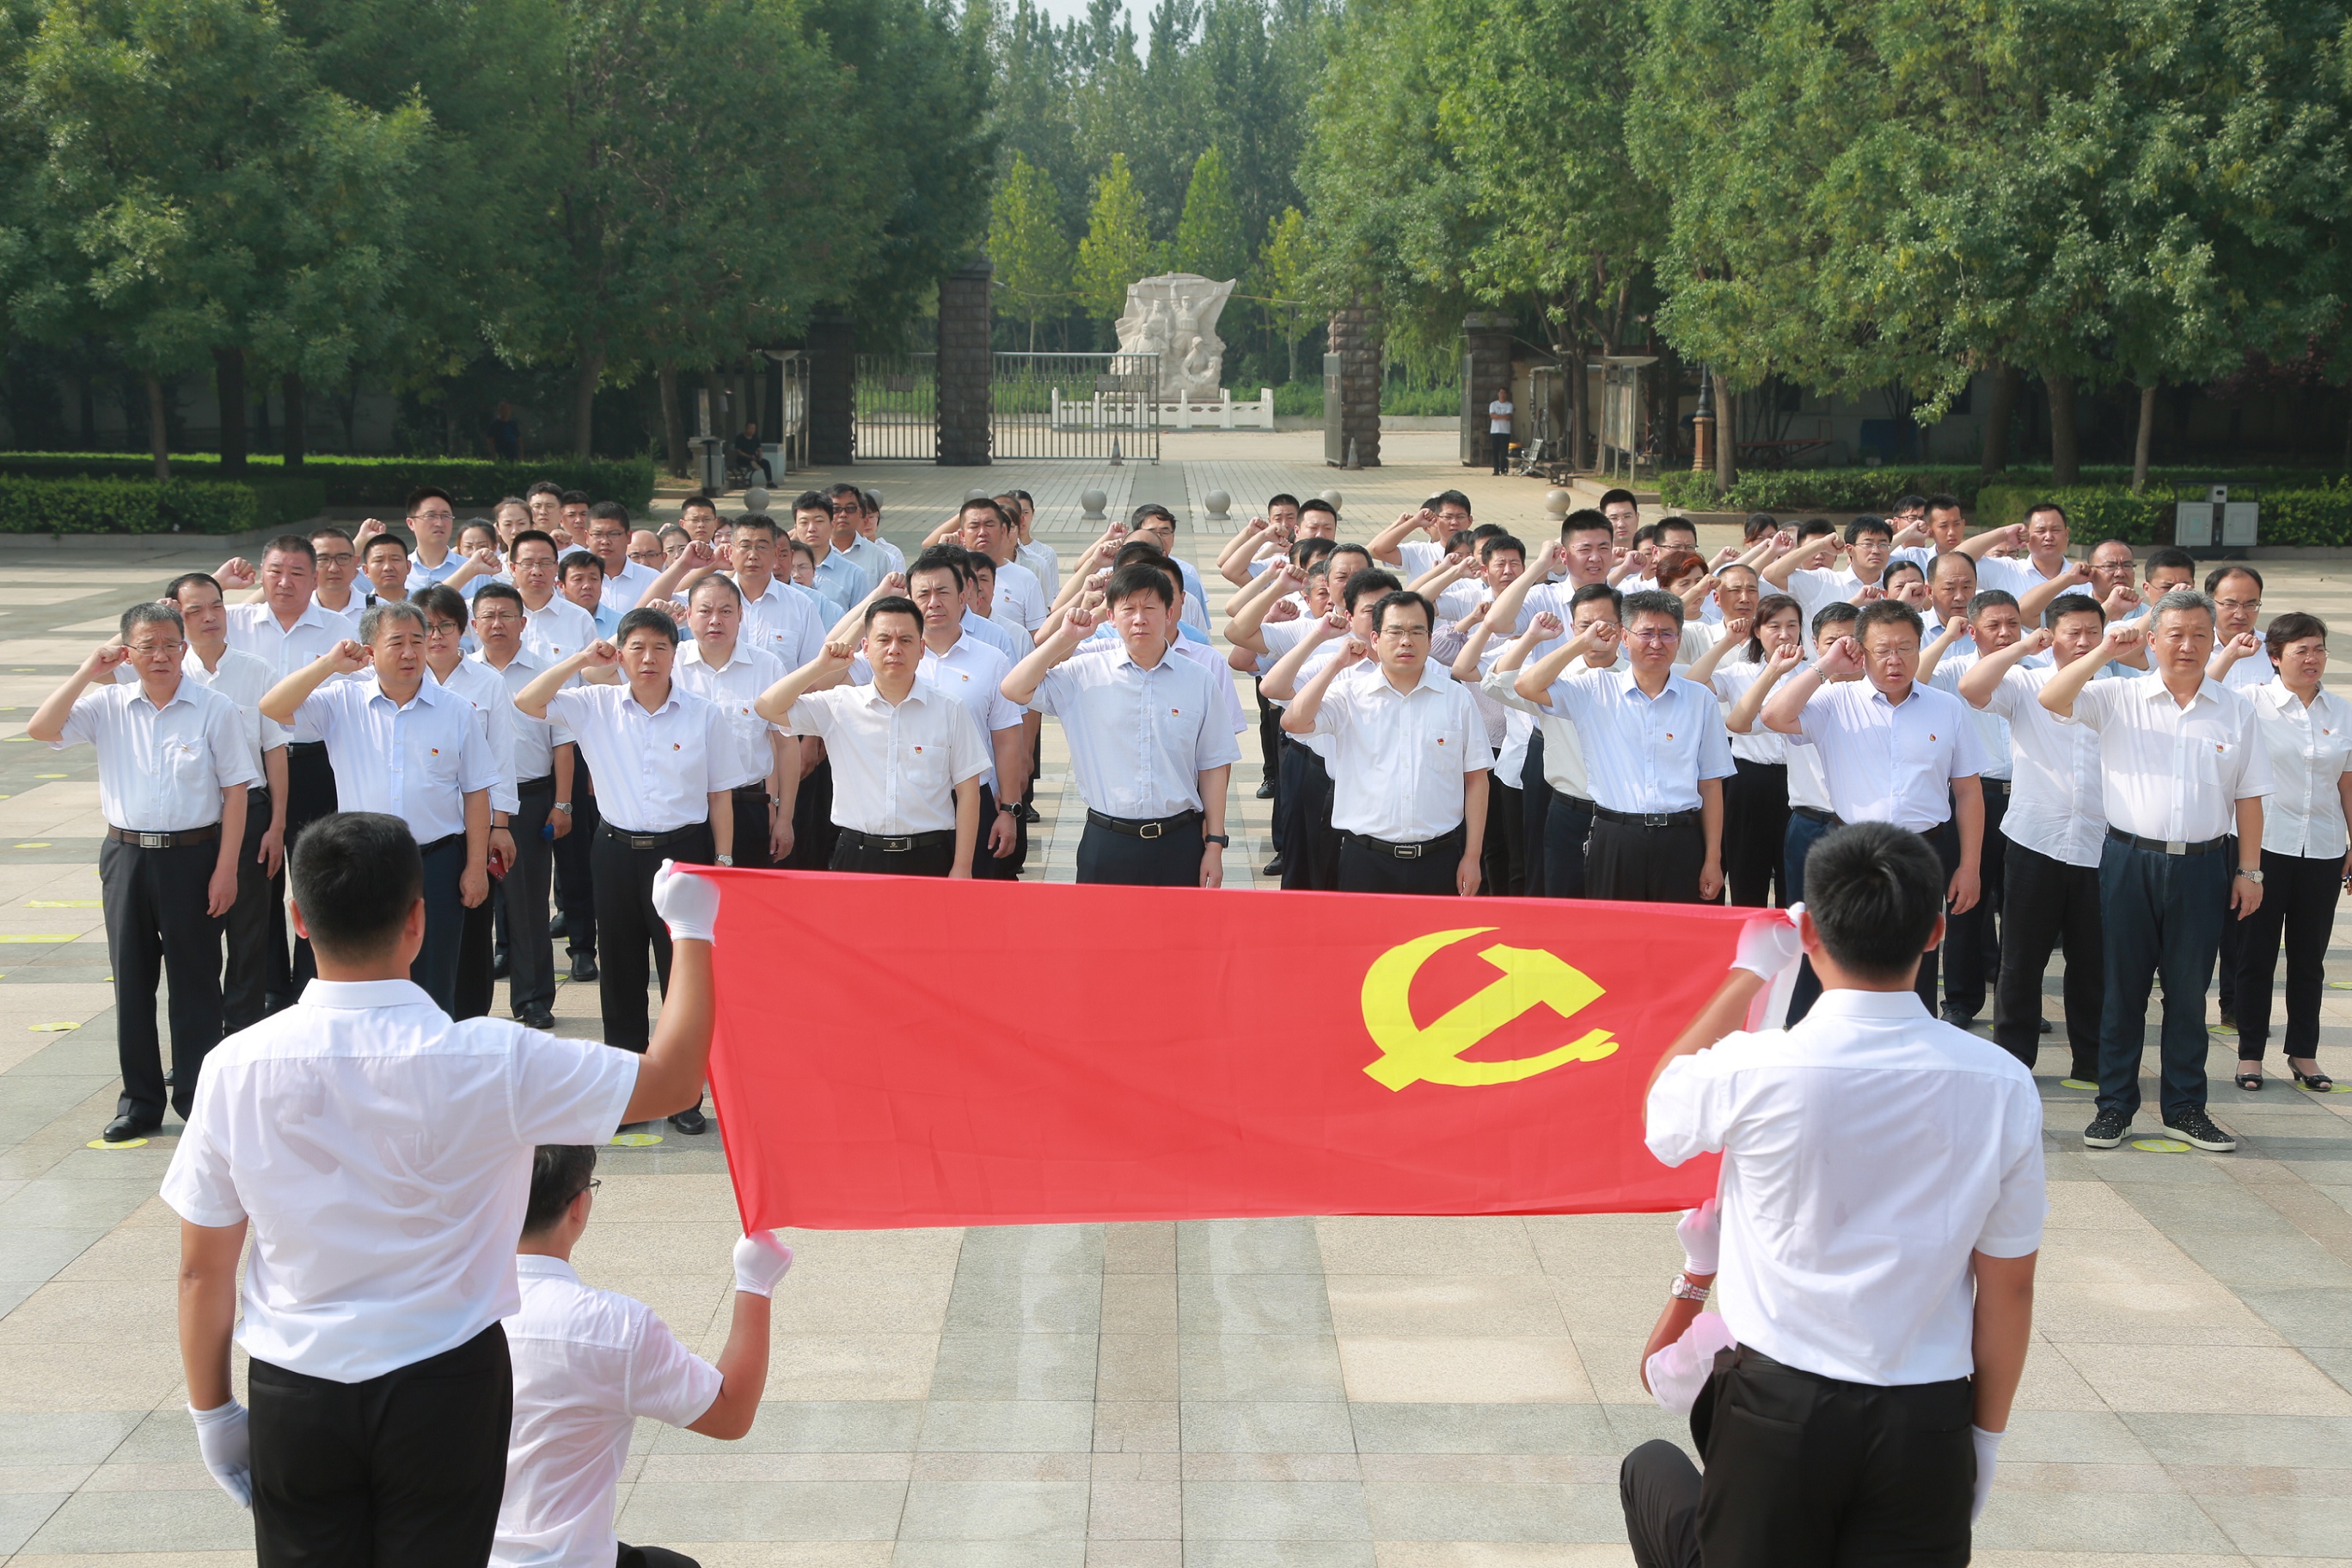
x=709, y=463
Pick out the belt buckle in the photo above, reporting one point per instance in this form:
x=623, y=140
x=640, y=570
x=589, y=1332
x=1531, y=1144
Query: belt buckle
x=897, y=846
x=2176, y=847
x=642, y=843
x=1408, y=851
x=1658, y=819
x=1151, y=829
x=154, y=840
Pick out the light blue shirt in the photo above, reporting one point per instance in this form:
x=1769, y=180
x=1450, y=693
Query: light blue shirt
x=1643, y=753
x=843, y=583
x=416, y=762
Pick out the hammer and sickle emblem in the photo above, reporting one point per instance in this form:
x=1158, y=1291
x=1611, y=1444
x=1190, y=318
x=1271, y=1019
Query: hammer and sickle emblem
x=1530, y=977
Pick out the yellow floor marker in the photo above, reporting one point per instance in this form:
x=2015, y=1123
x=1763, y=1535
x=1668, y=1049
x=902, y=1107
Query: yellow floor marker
x=125, y=1144
x=2160, y=1145
x=50, y=776
x=47, y=936
x=37, y=845
x=58, y=1028
x=64, y=902
x=635, y=1140
x=2076, y=1084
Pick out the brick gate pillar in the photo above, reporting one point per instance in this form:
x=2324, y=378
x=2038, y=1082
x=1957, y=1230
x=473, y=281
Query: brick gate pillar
x=1355, y=338
x=966, y=363
x=832, y=389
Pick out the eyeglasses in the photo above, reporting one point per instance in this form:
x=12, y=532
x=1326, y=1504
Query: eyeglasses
x=143, y=649
x=2249, y=605
x=495, y=617
x=337, y=557
x=594, y=1183
x=441, y=628
x=1655, y=636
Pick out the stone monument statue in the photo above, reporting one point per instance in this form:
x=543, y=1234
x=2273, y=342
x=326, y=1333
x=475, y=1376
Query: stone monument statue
x=1175, y=316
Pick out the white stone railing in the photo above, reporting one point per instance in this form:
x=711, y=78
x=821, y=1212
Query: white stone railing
x=1098, y=412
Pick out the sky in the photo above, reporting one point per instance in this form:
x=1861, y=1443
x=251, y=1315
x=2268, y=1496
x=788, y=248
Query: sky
x=1063, y=10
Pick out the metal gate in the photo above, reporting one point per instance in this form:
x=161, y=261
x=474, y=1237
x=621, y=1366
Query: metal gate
x=1041, y=406
x=788, y=421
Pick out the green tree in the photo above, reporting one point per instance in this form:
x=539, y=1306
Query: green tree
x=1284, y=266
x=1118, y=247
x=1209, y=238
x=202, y=197
x=1026, y=243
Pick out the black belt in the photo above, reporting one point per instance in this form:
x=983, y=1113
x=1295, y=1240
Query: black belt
x=759, y=791
x=163, y=840
x=1404, y=852
x=1992, y=785
x=441, y=844
x=1575, y=802
x=904, y=844
x=1646, y=818
x=651, y=840
x=545, y=785
x=2164, y=846
x=306, y=747
x=1815, y=814
x=1135, y=828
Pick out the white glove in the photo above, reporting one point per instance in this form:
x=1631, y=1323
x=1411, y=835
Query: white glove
x=760, y=1262
x=1988, y=1455
x=1680, y=1370
x=1768, y=943
x=687, y=902
x=1700, y=1230
x=222, y=1439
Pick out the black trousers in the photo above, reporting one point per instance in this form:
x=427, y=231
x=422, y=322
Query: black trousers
x=1498, y=446
x=309, y=795
x=2160, y=915
x=654, y=1557
x=404, y=1470
x=925, y=859
x=2233, y=931
x=475, y=985
x=1804, y=832
x=751, y=850
x=1755, y=829
x=812, y=829
x=244, y=970
x=1567, y=830
x=1805, y=1471
x=627, y=928
x=1944, y=839
x=2047, y=904
x=435, y=966
x=530, y=956
x=2299, y=897
x=1502, y=858
x=1310, y=854
x=575, y=869
x=1363, y=869
x=1171, y=860
x=156, y=925
x=986, y=867
x=1269, y=750
x=1647, y=865
x=1972, y=937
x=1536, y=799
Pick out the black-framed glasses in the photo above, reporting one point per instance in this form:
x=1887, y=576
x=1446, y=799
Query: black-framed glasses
x=594, y=1183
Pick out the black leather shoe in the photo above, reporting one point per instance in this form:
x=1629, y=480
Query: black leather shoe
x=1030, y=814
x=559, y=926
x=2045, y=1026
x=692, y=1122
x=1272, y=867
x=583, y=966
x=1266, y=790
x=1956, y=1018
x=535, y=1016
x=123, y=1129
x=499, y=964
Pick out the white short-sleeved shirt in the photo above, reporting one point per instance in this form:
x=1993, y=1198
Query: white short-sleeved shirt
x=1201, y=653
x=161, y=770
x=735, y=693
x=2018, y=577
x=1993, y=729
x=1889, y=762
x=1563, y=748
x=1041, y=560
x=972, y=671
x=417, y=761
x=1498, y=417
x=995, y=636
x=655, y=771
x=1644, y=754
x=1400, y=757
x=2248, y=675
x=422, y=577
x=784, y=624
x=252, y=629
x=242, y=678
x=2308, y=748
x=383, y=1154
x=1867, y=1152
x=895, y=765
x=557, y=630
x=535, y=739
x=1019, y=595
x=493, y=701
x=1815, y=586
x=587, y=1364
x=1140, y=739
x=1731, y=680
x=2174, y=773
x=2057, y=799
x=621, y=589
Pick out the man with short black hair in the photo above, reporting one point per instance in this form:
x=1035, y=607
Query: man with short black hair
x=589, y=1363
x=580, y=577
x=174, y=759
x=840, y=581
x=1624, y=513
x=337, y=556
x=1847, y=1426
x=720, y=669
x=384, y=563
x=849, y=539
x=543, y=768
x=432, y=519
x=1973, y=937
x=380, y=1154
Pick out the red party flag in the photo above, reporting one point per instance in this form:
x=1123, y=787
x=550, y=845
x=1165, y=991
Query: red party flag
x=904, y=1051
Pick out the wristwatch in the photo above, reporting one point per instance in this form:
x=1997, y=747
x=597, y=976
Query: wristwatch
x=726, y=860
x=562, y=806
x=1008, y=808
x=2253, y=876
x=1222, y=841
x=1681, y=1289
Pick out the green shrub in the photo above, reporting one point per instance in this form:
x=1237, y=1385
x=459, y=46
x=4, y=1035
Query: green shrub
x=107, y=506
x=1425, y=401
x=1869, y=489
x=2308, y=517
x=380, y=482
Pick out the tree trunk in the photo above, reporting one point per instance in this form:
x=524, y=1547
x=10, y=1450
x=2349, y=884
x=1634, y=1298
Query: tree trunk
x=1726, y=436
x=2000, y=407
x=673, y=422
x=2147, y=436
x=1580, y=418
x=583, y=403
x=297, y=441
x=2066, y=453
x=159, y=434
x=228, y=390
x=1292, y=344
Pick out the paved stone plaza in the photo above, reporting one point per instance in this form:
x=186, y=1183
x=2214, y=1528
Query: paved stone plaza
x=1350, y=1393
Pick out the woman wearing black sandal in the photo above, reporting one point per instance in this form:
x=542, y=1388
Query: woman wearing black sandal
x=2309, y=734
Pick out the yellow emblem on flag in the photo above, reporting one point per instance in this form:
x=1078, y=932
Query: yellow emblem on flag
x=1531, y=977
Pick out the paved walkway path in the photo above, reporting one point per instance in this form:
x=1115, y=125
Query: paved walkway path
x=1354, y=1393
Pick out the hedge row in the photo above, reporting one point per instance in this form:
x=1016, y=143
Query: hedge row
x=474, y=482
x=2311, y=516
x=86, y=505
x=1868, y=489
